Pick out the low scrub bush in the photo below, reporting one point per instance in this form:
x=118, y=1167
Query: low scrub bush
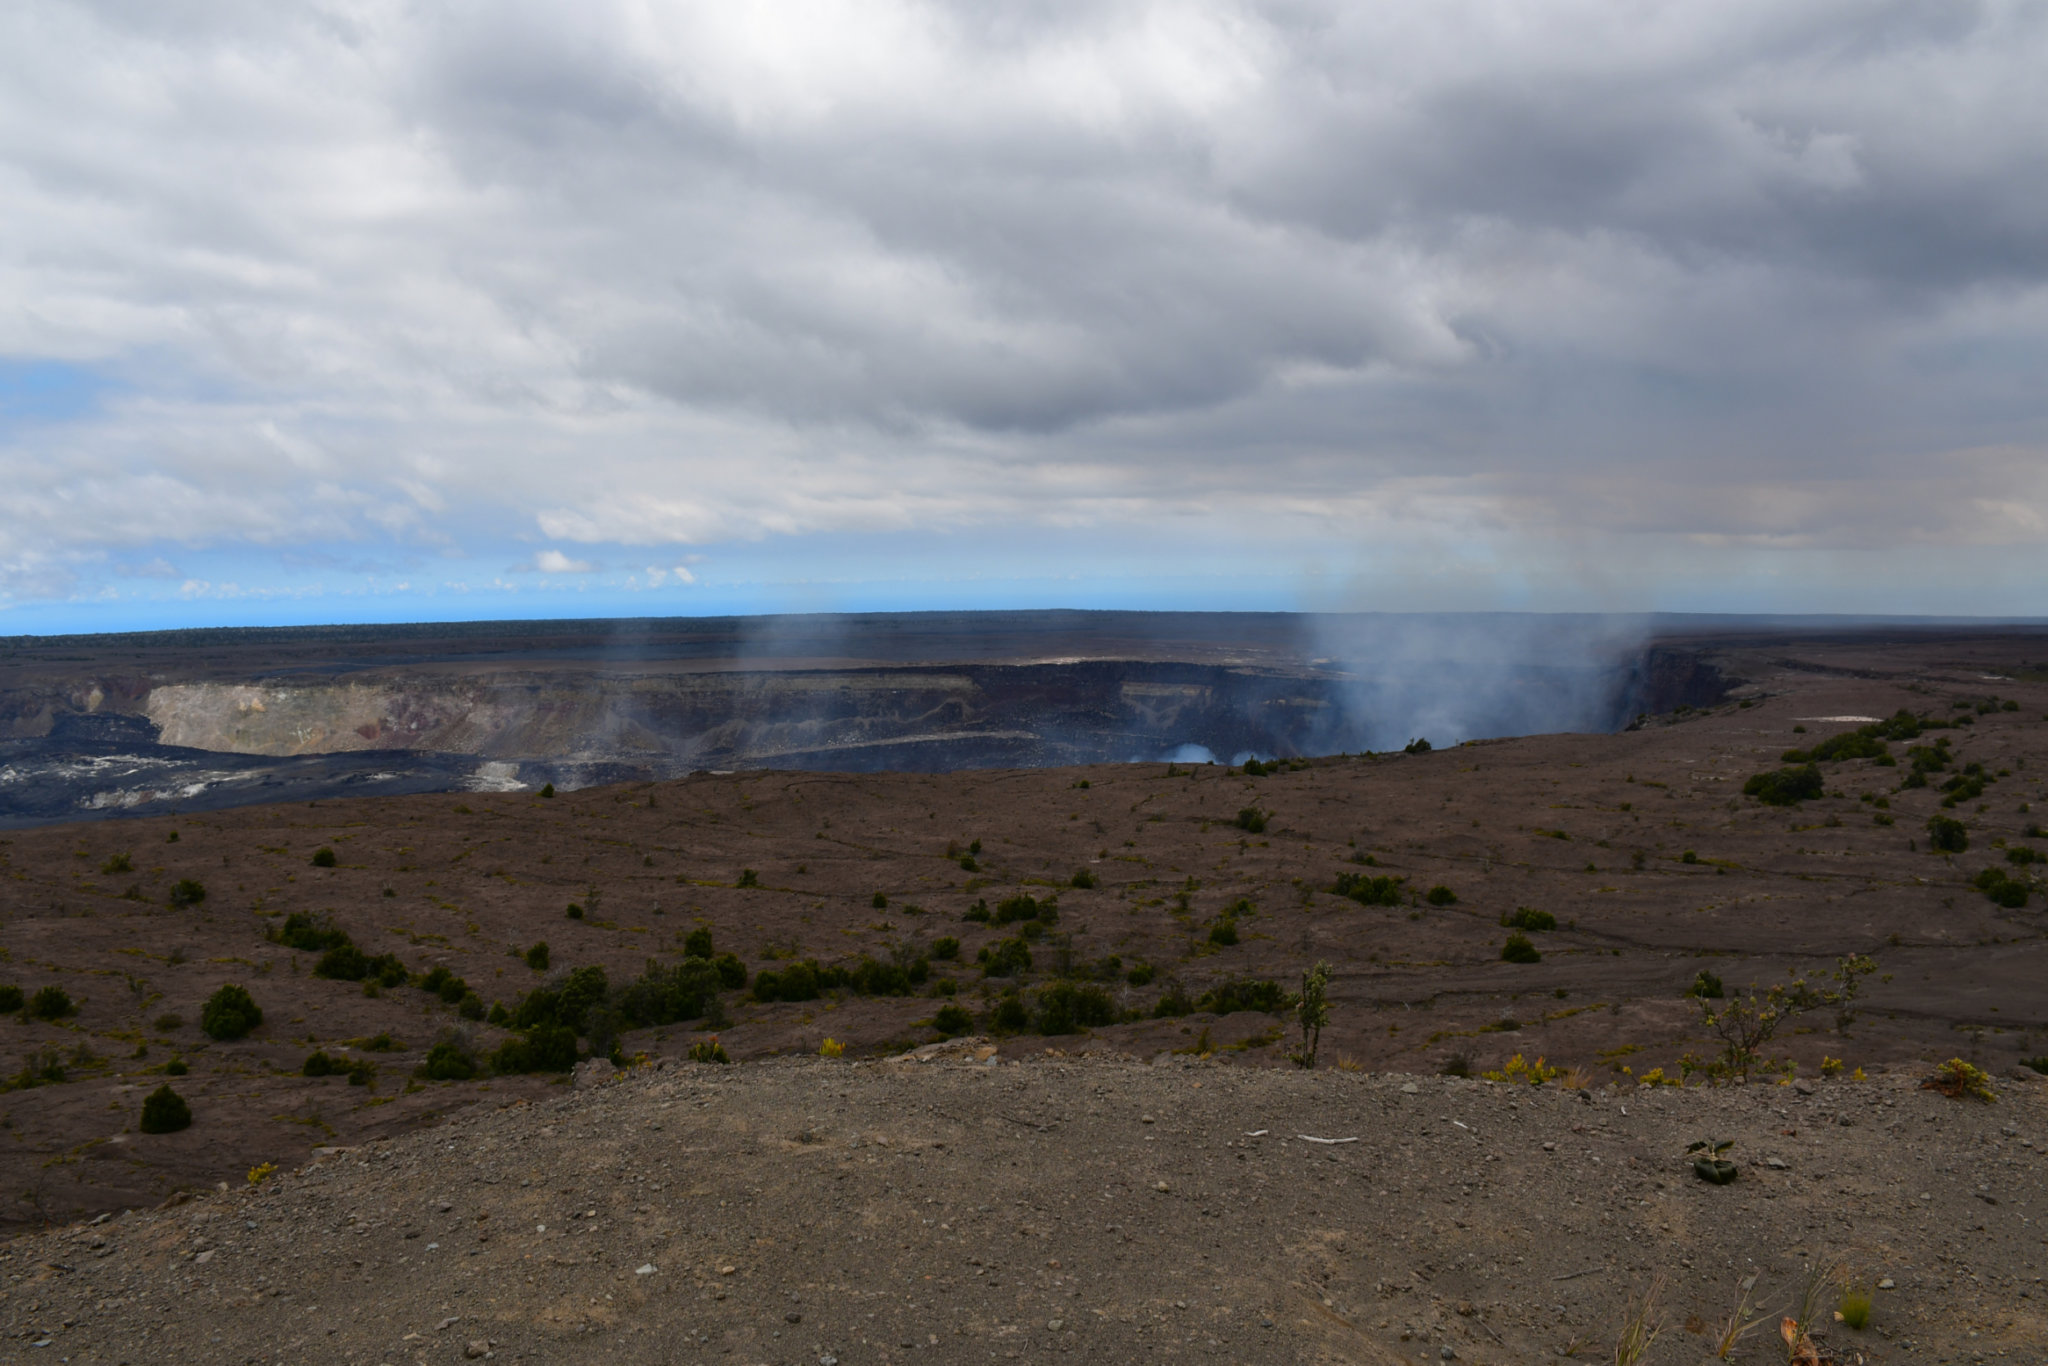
x=164, y=1111
x=302, y=931
x=1417, y=746
x=1441, y=895
x=1706, y=987
x=978, y=912
x=543, y=1048
x=537, y=956
x=323, y=857
x=1528, y=918
x=797, y=982
x=11, y=1000
x=187, y=892
x=1010, y=910
x=697, y=943
x=230, y=1013
x=1223, y=933
x=667, y=995
x=1004, y=958
x=2001, y=887
x=946, y=949
x=347, y=963
x=1227, y=998
x=51, y=1003
x=1251, y=820
x=449, y=1060
x=952, y=1020
x=1009, y=1015
x=1173, y=1003
x=1785, y=786
x=1960, y=1080
x=1519, y=949
x=1368, y=890
x=1141, y=974
x=709, y=1050
x=1947, y=835
x=1069, y=1007
x=1082, y=879
x=319, y=1063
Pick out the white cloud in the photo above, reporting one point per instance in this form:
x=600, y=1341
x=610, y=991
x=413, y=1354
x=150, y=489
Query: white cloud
x=555, y=562
x=431, y=281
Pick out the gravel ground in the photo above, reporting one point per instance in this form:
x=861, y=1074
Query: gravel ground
x=950, y=1206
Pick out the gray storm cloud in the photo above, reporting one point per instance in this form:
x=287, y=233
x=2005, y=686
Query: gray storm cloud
x=1565, y=280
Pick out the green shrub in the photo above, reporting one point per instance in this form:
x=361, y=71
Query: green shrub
x=1012, y=909
x=968, y=864
x=797, y=982
x=732, y=973
x=2020, y=855
x=574, y=911
x=697, y=943
x=343, y=963
x=1068, y=1007
x=323, y=857
x=1441, y=895
x=2039, y=1064
x=946, y=949
x=471, y=1006
x=118, y=863
x=302, y=931
x=748, y=878
x=448, y=1060
x=1947, y=835
x=382, y=1042
x=1083, y=878
x=1227, y=998
x=1688, y=857
x=880, y=901
x=1518, y=949
x=10, y=999
x=978, y=912
x=187, y=892
x=1173, y=1003
x=1223, y=933
x=498, y=1014
x=176, y=1068
x=1141, y=974
x=230, y=1013
x=1251, y=820
x=2005, y=890
x=1416, y=747
x=952, y=1020
x=666, y=995
x=1855, y=1309
x=319, y=1064
x=537, y=956
x=1368, y=890
x=164, y=1111
x=1529, y=918
x=1009, y=1016
x=1706, y=987
x=1254, y=769
x=1004, y=958
x=51, y=1003
x=1785, y=786
x=709, y=1050
x=544, y=1048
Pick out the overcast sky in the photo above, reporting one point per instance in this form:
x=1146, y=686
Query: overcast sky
x=329, y=311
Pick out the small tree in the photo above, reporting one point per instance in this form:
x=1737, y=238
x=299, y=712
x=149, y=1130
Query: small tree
x=1748, y=1021
x=164, y=1111
x=1313, y=1011
x=230, y=1013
